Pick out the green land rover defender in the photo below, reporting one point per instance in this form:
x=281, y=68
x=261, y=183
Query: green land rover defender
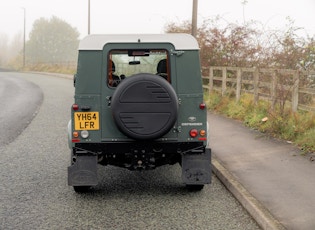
x=138, y=104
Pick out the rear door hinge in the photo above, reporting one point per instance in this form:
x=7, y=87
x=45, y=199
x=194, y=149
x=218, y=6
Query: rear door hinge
x=177, y=52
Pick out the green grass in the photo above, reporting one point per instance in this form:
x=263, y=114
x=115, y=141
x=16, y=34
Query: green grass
x=51, y=68
x=16, y=64
x=298, y=127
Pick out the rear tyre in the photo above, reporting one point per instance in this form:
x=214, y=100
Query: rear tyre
x=194, y=187
x=81, y=189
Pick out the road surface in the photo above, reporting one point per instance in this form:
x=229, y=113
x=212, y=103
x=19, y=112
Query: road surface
x=19, y=103
x=34, y=193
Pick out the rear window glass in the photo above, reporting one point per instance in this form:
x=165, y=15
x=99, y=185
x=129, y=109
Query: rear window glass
x=125, y=63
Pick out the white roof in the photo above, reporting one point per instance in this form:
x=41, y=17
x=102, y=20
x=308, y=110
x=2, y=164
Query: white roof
x=180, y=41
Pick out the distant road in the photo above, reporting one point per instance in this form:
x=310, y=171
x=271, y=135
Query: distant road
x=5, y=70
x=19, y=102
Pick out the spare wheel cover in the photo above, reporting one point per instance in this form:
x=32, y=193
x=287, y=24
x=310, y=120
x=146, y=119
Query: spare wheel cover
x=144, y=106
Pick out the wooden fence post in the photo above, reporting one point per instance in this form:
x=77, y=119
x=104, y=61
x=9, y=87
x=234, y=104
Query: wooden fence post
x=256, y=85
x=295, y=91
x=238, y=84
x=210, y=79
x=273, y=90
x=223, y=80
x=277, y=87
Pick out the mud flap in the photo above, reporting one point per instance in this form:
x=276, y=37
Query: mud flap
x=83, y=172
x=196, y=168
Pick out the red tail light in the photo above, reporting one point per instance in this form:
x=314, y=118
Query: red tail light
x=193, y=133
x=75, y=107
x=202, y=106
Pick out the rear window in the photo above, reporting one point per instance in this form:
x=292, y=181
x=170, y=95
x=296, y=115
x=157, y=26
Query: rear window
x=124, y=63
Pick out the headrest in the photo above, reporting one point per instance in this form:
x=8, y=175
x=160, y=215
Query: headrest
x=113, y=65
x=162, y=67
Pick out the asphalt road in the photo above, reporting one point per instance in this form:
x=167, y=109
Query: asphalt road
x=34, y=193
x=19, y=101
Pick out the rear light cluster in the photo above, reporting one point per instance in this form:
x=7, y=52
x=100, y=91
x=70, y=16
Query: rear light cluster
x=201, y=134
x=84, y=134
x=77, y=134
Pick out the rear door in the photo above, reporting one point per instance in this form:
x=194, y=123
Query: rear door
x=131, y=59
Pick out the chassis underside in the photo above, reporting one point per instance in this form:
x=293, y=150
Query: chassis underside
x=194, y=158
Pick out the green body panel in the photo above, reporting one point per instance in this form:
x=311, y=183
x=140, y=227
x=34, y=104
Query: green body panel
x=188, y=73
x=190, y=94
x=89, y=73
x=88, y=87
x=190, y=116
x=92, y=89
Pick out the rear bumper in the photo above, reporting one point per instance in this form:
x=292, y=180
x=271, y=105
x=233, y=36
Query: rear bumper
x=194, y=158
x=138, y=155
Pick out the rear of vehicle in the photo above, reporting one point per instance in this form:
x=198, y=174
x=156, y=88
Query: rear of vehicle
x=138, y=105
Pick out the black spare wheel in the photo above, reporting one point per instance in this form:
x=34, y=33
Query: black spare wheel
x=144, y=106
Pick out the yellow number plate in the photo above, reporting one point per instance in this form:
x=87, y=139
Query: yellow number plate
x=86, y=121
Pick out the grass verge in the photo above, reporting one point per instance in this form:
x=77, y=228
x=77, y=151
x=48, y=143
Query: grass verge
x=56, y=68
x=296, y=127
